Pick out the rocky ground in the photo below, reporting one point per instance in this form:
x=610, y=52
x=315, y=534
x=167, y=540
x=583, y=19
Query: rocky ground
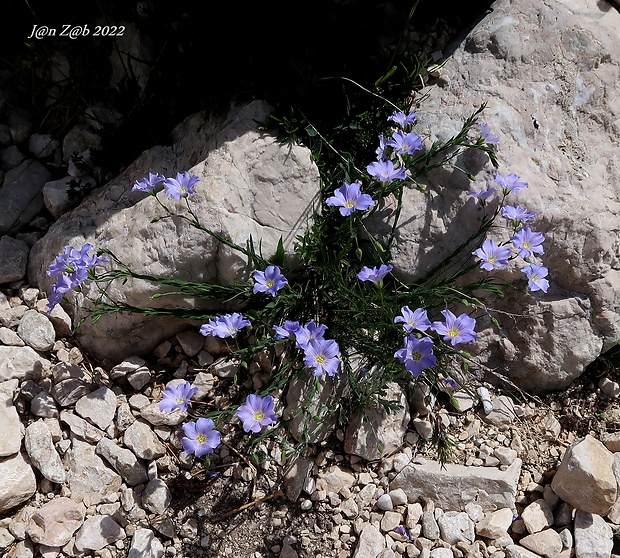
x=90, y=466
x=99, y=469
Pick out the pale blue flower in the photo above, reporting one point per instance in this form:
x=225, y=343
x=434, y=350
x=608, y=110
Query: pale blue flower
x=456, y=330
x=269, y=281
x=256, y=412
x=492, y=255
x=536, y=277
x=349, y=198
x=200, y=438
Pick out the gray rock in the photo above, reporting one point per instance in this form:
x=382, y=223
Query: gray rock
x=593, y=536
x=18, y=481
x=13, y=259
x=375, y=433
x=142, y=441
x=81, y=428
x=545, y=543
x=43, y=405
x=21, y=363
x=68, y=392
x=456, y=527
x=11, y=157
x=154, y=416
x=123, y=461
x=573, y=104
x=37, y=331
x=495, y=525
x=585, y=477
x=97, y=532
x=144, y=544
x=98, y=407
x=516, y=551
x=9, y=337
x=537, y=516
x=156, y=497
x=90, y=480
x=55, y=523
x=295, y=477
x=42, y=146
x=384, y=502
x=12, y=429
x=316, y=422
x=371, y=542
x=251, y=164
x=40, y=449
x=21, y=195
x=56, y=194
x=430, y=528
x=191, y=342
x=454, y=486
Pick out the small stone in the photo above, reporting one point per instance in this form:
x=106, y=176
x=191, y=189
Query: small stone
x=545, y=543
x=55, y=523
x=156, y=496
x=37, y=331
x=385, y=502
x=390, y=521
x=98, y=407
x=98, y=532
x=537, y=516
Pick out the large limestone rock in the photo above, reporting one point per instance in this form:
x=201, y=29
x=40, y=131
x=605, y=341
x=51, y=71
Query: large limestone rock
x=550, y=75
x=585, y=478
x=18, y=481
x=249, y=184
x=452, y=486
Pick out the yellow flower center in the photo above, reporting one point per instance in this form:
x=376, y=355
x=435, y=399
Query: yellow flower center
x=259, y=415
x=320, y=359
x=416, y=356
x=270, y=284
x=453, y=332
x=526, y=244
x=491, y=259
x=349, y=204
x=201, y=439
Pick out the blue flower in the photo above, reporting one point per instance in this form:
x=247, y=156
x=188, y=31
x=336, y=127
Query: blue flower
x=403, y=119
x=349, y=198
x=269, y=281
x=405, y=143
x=487, y=134
x=417, y=354
x=528, y=242
x=510, y=183
x=177, y=397
x=227, y=325
x=257, y=412
x=492, y=255
x=200, y=438
x=375, y=274
x=536, y=277
x=322, y=355
x=149, y=183
x=456, y=330
x=181, y=186
x=417, y=319
x=385, y=171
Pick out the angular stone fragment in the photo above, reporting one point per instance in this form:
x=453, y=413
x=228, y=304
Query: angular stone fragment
x=537, y=516
x=43, y=454
x=55, y=523
x=12, y=428
x=98, y=407
x=156, y=497
x=585, y=477
x=141, y=440
x=374, y=433
x=456, y=527
x=545, y=543
x=81, y=428
x=98, y=532
x=90, y=479
x=21, y=363
x=454, y=486
x=123, y=461
x=18, y=481
x=145, y=544
x=495, y=524
x=593, y=536
x=370, y=544
x=13, y=259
